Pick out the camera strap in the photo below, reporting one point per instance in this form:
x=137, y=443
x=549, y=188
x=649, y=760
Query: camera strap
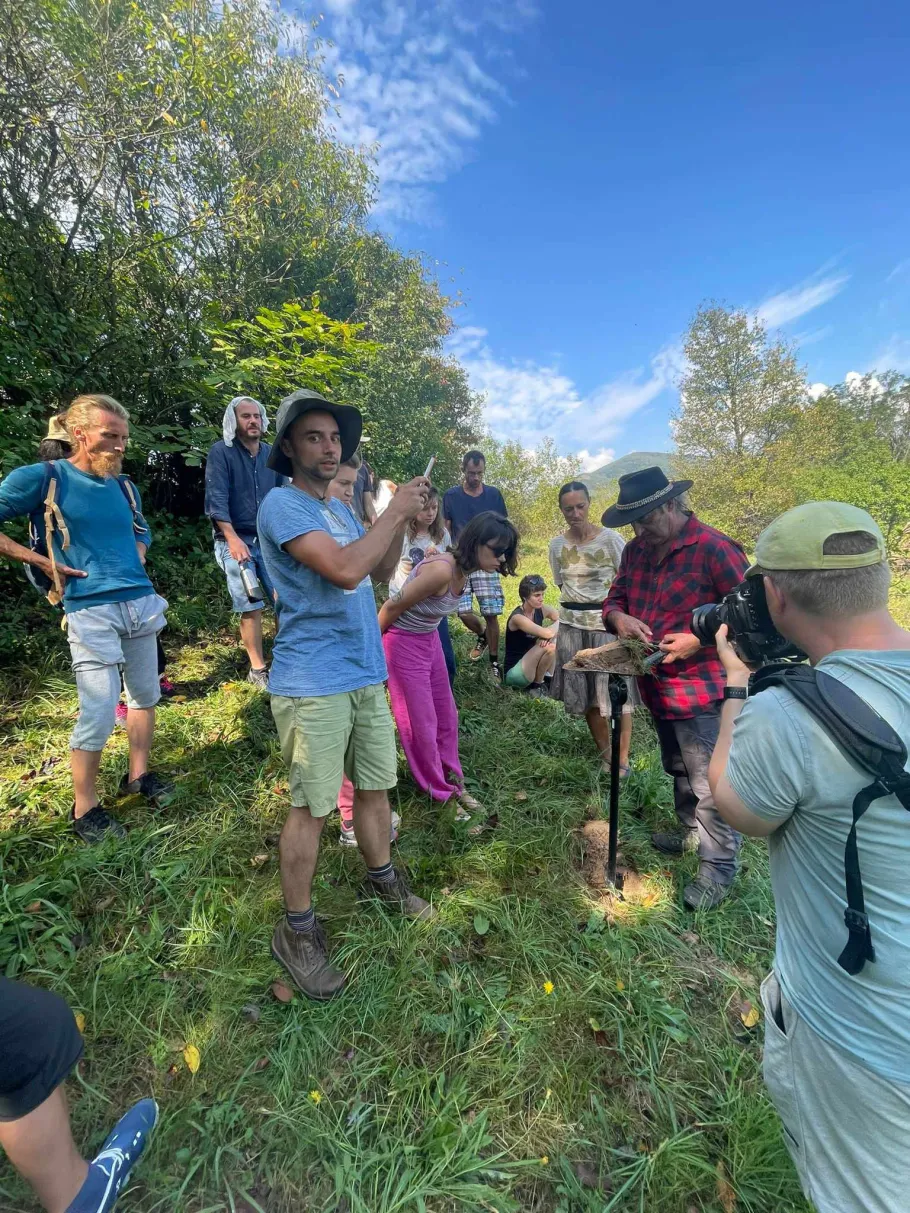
x=871, y=743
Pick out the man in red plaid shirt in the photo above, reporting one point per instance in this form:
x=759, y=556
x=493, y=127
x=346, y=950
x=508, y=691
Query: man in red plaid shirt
x=674, y=564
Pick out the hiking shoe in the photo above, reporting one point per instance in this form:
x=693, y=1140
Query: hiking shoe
x=304, y=954
x=96, y=825
x=347, y=838
x=479, y=649
x=108, y=1170
x=704, y=893
x=259, y=678
x=166, y=687
x=120, y=713
x=157, y=791
x=396, y=895
x=678, y=843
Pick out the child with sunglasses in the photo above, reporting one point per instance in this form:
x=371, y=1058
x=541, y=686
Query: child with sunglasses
x=422, y=701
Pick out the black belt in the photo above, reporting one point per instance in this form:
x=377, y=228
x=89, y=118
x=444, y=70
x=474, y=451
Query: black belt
x=582, y=606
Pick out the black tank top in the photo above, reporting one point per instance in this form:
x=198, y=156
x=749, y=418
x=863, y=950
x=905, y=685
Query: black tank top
x=518, y=642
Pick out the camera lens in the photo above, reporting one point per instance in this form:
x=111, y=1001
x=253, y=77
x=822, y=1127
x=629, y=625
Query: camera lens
x=707, y=619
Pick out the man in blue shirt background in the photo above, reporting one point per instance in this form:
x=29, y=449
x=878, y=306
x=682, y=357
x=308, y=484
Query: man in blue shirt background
x=113, y=614
x=237, y=478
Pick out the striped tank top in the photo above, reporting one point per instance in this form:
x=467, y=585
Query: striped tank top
x=425, y=616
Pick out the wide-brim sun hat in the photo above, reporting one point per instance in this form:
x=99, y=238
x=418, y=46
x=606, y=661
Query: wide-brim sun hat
x=640, y=493
x=304, y=400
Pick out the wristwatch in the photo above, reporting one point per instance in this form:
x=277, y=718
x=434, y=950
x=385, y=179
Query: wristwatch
x=736, y=692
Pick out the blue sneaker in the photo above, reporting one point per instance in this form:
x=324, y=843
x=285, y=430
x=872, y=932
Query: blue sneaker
x=119, y=1154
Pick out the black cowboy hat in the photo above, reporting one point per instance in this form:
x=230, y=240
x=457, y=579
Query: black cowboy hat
x=350, y=425
x=640, y=493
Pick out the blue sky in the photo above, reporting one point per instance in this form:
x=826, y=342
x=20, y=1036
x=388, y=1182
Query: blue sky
x=586, y=174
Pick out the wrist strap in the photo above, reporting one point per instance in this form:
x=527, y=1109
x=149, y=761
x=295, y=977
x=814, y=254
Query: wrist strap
x=736, y=692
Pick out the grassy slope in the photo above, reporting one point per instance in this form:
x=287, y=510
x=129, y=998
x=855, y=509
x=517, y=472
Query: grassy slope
x=445, y=1078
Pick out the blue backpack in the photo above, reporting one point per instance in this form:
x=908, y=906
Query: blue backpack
x=48, y=519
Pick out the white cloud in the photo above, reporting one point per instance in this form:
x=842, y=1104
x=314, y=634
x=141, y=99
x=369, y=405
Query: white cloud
x=590, y=463
x=417, y=87
x=528, y=401
x=894, y=355
x=817, y=390
x=900, y=268
x=798, y=300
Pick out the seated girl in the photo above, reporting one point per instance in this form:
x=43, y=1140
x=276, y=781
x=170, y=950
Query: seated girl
x=530, y=639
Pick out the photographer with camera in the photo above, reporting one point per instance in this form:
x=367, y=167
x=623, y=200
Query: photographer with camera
x=674, y=564
x=837, y=1019
x=237, y=478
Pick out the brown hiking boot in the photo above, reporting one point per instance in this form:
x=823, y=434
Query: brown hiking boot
x=304, y=955
x=396, y=895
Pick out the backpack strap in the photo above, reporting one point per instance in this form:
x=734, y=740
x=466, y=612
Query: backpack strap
x=54, y=520
x=872, y=744
x=129, y=492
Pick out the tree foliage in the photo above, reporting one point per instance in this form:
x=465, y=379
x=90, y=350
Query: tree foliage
x=177, y=219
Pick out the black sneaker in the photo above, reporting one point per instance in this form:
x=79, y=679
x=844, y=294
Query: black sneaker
x=157, y=791
x=497, y=672
x=96, y=825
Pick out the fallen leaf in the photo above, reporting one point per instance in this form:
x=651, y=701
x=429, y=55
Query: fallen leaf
x=258, y=860
x=80, y=1021
x=725, y=1193
x=689, y=937
x=192, y=1058
x=446, y=892
x=262, y=1064
x=748, y=1014
x=521, y=796
x=481, y=924
x=281, y=991
x=104, y=904
x=33, y=907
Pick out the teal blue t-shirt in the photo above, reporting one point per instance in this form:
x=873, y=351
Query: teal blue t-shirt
x=100, y=523
x=328, y=640
x=785, y=768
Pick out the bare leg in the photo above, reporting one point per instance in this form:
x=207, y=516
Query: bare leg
x=140, y=728
x=84, y=765
x=41, y=1148
x=472, y=623
x=492, y=633
x=546, y=659
x=298, y=851
x=372, y=827
x=251, y=635
x=625, y=739
x=600, y=731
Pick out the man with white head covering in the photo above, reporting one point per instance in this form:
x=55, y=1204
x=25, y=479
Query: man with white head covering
x=237, y=478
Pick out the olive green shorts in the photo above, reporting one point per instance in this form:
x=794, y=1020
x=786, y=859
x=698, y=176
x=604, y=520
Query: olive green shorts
x=325, y=737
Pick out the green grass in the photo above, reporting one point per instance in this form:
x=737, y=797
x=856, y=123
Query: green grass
x=446, y=1077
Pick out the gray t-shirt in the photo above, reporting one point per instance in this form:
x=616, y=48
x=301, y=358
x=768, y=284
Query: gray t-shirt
x=785, y=768
x=329, y=640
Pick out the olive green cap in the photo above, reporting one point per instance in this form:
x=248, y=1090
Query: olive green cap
x=796, y=540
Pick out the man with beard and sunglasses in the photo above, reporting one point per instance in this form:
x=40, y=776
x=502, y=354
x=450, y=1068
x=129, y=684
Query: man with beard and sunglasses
x=96, y=546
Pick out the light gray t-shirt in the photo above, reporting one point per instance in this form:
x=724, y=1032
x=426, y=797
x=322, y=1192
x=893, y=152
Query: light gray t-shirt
x=785, y=768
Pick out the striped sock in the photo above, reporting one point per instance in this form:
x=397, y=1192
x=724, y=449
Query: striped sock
x=301, y=920
x=382, y=875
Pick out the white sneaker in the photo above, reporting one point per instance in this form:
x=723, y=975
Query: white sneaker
x=347, y=838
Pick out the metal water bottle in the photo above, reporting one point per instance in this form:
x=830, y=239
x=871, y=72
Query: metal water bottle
x=251, y=581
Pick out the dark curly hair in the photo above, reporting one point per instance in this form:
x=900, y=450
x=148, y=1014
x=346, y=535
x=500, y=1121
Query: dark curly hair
x=495, y=531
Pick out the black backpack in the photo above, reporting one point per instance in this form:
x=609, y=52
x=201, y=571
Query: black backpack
x=869, y=741
x=48, y=518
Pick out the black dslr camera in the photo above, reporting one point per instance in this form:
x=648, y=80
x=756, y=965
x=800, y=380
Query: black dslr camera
x=749, y=626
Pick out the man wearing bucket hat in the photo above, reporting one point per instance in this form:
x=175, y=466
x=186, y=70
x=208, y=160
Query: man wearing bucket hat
x=837, y=1035
x=237, y=478
x=328, y=670
x=674, y=564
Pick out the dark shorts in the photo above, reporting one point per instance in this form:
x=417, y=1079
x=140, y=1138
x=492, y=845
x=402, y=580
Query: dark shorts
x=39, y=1046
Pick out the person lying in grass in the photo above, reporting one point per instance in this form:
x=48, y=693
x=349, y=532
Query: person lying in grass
x=422, y=701
x=530, y=640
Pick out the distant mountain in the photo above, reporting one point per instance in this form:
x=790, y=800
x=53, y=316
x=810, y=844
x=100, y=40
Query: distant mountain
x=633, y=462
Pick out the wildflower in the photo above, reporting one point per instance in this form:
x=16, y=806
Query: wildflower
x=545, y=1160
x=316, y=1097
x=548, y=987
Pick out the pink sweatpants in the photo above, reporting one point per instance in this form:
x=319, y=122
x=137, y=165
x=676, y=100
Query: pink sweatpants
x=424, y=710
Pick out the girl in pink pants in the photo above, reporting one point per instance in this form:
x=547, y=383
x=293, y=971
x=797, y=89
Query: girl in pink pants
x=422, y=701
